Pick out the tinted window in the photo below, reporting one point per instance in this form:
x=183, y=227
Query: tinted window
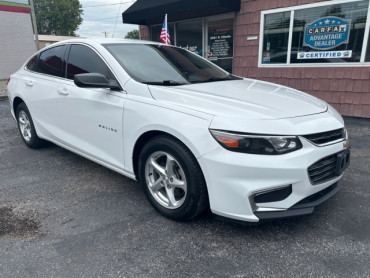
x=32, y=63
x=83, y=59
x=51, y=61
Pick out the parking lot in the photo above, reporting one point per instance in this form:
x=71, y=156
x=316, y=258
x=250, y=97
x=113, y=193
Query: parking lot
x=64, y=216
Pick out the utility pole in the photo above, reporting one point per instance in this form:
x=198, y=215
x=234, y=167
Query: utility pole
x=106, y=34
x=34, y=24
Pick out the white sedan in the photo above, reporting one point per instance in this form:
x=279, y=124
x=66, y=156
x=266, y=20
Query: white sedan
x=192, y=134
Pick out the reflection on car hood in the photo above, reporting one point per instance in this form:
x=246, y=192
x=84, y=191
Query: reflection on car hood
x=246, y=98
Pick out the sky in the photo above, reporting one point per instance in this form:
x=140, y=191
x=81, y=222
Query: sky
x=102, y=15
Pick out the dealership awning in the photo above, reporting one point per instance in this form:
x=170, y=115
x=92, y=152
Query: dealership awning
x=149, y=12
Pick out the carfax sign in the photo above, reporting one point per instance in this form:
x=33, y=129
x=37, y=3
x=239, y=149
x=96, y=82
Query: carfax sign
x=327, y=33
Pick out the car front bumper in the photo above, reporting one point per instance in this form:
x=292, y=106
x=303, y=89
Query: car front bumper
x=234, y=179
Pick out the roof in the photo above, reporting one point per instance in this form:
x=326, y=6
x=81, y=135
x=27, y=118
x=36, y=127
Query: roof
x=149, y=12
x=107, y=41
x=49, y=38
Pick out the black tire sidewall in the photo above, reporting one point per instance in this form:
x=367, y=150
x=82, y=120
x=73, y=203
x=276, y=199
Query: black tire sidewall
x=192, y=171
x=35, y=141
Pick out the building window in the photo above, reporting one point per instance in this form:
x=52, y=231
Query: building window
x=189, y=36
x=211, y=38
x=367, y=59
x=332, y=33
x=275, y=38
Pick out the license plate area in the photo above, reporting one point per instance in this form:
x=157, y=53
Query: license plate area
x=343, y=160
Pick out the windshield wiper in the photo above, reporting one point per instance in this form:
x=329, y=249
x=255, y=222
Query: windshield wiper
x=213, y=79
x=165, y=83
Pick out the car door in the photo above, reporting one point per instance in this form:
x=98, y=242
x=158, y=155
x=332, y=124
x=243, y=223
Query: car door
x=91, y=119
x=39, y=85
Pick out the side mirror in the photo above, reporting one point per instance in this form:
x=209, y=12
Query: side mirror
x=95, y=80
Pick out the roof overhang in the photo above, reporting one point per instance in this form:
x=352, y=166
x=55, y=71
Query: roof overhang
x=149, y=12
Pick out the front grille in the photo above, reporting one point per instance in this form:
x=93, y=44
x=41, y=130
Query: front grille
x=323, y=170
x=326, y=137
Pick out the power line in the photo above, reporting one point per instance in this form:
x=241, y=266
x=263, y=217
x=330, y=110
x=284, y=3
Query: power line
x=101, y=5
x=114, y=29
x=94, y=19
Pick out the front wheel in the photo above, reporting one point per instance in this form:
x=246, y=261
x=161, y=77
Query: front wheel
x=172, y=179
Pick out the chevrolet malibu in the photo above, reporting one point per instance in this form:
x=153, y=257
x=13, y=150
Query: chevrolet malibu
x=192, y=134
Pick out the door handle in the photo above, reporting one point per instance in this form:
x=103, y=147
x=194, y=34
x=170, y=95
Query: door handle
x=29, y=83
x=63, y=91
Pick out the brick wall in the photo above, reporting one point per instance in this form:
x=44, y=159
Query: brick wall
x=346, y=88
x=17, y=42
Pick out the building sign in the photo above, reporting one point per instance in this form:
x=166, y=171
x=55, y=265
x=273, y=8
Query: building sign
x=15, y=6
x=327, y=33
x=324, y=54
x=220, y=42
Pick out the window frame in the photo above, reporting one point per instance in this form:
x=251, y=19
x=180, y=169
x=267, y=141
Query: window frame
x=292, y=9
x=66, y=54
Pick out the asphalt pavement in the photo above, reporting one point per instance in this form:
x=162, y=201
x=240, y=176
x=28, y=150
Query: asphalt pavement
x=62, y=215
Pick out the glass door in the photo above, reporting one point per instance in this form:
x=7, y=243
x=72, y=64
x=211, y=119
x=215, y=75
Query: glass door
x=220, y=48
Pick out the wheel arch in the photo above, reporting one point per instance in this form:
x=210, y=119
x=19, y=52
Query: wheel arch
x=143, y=139
x=16, y=102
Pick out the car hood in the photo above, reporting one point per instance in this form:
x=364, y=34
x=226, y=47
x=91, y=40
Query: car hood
x=245, y=98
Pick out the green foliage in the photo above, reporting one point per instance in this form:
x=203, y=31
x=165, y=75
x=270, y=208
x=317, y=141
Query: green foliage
x=58, y=17
x=134, y=34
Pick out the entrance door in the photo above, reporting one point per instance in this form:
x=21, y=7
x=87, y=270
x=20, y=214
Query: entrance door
x=220, y=43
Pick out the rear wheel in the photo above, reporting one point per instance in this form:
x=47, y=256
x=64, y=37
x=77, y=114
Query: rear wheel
x=26, y=127
x=172, y=179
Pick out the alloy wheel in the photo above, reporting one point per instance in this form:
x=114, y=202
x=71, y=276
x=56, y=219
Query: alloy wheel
x=166, y=180
x=25, y=126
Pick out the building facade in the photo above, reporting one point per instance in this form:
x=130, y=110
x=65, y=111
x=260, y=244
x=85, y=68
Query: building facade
x=319, y=47
x=16, y=36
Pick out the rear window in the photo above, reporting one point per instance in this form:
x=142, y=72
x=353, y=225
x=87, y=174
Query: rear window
x=32, y=63
x=51, y=61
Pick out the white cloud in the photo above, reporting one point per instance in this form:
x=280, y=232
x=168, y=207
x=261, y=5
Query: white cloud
x=103, y=18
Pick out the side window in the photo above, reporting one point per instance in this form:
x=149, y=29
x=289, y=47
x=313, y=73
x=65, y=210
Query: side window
x=83, y=59
x=51, y=61
x=32, y=63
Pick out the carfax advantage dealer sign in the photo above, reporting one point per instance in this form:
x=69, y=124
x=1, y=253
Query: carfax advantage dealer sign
x=324, y=34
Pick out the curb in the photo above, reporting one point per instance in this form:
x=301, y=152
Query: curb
x=2, y=98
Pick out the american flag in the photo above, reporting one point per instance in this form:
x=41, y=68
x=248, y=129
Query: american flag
x=165, y=35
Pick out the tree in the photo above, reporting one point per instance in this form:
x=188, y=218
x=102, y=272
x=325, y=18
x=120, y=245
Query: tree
x=134, y=34
x=59, y=18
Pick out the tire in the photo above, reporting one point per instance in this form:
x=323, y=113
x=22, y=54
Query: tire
x=27, y=128
x=172, y=179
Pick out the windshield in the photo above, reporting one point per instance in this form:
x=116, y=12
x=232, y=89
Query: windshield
x=165, y=65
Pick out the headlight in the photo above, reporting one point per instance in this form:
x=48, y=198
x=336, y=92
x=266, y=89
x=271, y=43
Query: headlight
x=256, y=144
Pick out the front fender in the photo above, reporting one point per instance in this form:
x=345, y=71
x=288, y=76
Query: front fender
x=141, y=117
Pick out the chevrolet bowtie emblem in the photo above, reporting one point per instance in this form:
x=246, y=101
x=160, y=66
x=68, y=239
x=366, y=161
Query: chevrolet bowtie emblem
x=346, y=144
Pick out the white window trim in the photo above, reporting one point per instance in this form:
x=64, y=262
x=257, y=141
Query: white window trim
x=362, y=62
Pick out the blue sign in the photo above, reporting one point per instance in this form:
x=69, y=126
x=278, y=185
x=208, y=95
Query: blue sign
x=327, y=33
